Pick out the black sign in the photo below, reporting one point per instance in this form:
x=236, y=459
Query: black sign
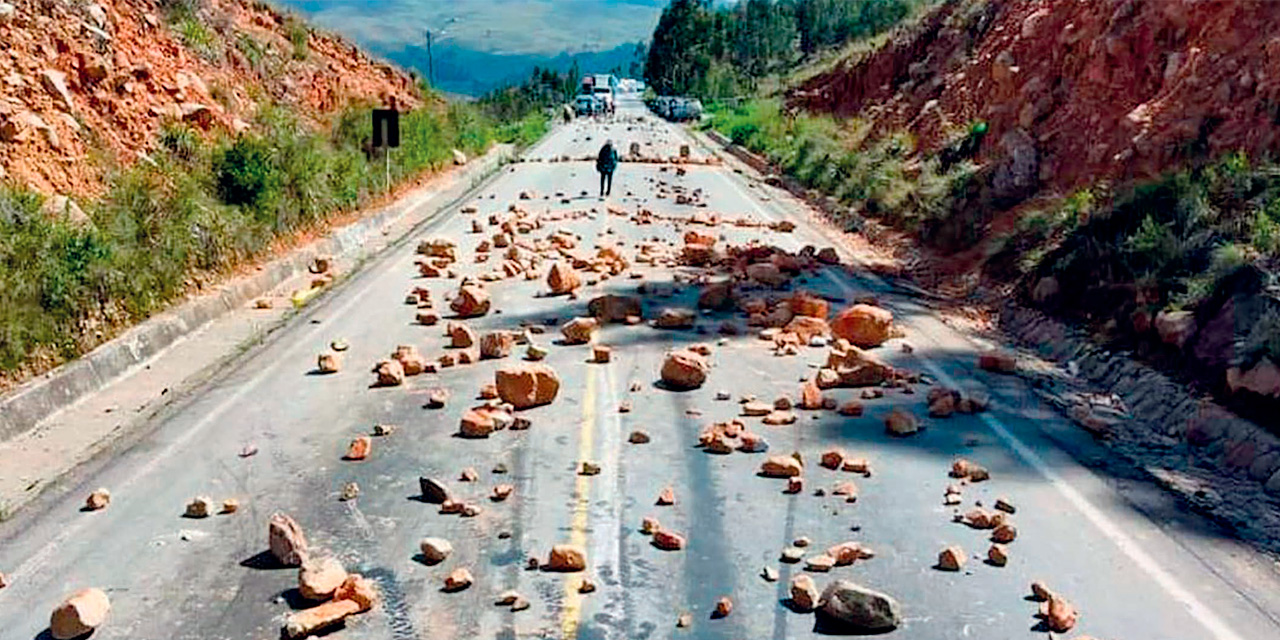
x=386, y=128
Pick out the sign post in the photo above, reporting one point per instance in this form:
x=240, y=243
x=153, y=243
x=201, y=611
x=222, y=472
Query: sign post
x=386, y=135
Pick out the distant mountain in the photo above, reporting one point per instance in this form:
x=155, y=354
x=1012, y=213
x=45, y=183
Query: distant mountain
x=480, y=44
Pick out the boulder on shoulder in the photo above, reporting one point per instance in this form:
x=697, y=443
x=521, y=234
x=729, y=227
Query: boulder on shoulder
x=848, y=607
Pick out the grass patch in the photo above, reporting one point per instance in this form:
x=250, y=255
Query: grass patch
x=201, y=210
x=876, y=176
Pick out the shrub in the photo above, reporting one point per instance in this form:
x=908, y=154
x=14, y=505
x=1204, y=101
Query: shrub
x=299, y=37
x=245, y=174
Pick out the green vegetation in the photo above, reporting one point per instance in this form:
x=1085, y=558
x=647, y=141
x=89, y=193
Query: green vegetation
x=202, y=209
x=842, y=159
x=299, y=37
x=711, y=50
x=1182, y=242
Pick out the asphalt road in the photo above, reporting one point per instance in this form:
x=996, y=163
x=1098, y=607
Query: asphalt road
x=170, y=577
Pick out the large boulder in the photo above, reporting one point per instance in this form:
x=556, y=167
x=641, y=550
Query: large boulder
x=807, y=327
x=851, y=608
x=567, y=557
x=1175, y=327
x=470, y=301
x=854, y=367
x=863, y=325
x=806, y=304
x=496, y=344
x=527, y=384
x=319, y=578
x=561, y=278
x=78, y=615
x=615, y=308
x=579, y=330
x=286, y=541
x=684, y=369
x=676, y=318
x=1263, y=379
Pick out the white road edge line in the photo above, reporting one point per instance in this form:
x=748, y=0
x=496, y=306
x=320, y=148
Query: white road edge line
x=40, y=557
x=1202, y=614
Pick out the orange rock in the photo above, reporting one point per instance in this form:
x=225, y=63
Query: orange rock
x=847, y=489
x=359, y=448
x=807, y=327
x=496, y=344
x=724, y=606
x=328, y=363
x=781, y=467
x=527, y=384
x=667, y=497
x=832, y=459
x=471, y=301
x=567, y=558
x=852, y=408
x=615, y=308
x=99, y=499
x=998, y=362
x=476, y=424
x=901, y=422
x=390, y=373
x=301, y=624
x=668, y=540
x=286, y=541
x=684, y=369
x=806, y=304
x=863, y=325
x=562, y=279
x=579, y=330
x=78, y=615
x=458, y=579
x=810, y=395
x=1059, y=614
x=320, y=578
x=460, y=335
x=951, y=559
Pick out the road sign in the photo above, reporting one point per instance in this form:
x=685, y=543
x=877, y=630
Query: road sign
x=386, y=128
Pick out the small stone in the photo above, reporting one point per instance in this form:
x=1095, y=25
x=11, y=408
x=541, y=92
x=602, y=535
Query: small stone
x=724, y=606
x=1059, y=614
x=792, y=555
x=382, y=430
x=649, y=525
x=433, y=491
x=502, y=492
x=1004, y=533
x=1040, y=591
x=328, y=363
x=723, y=395
x=804, y=593
x=781, y=467
x=457, y=580
x=668, y=540
x=756, y=409
x=1004, y=505
x=769, y=574
x=199, y=507
x=625, y=407
x=468, y=475
x=666, y=497
x=586, y=585
x=350, y=491
x=230, y=505
x=638, y=437
x=359, y=448
x=684, y=620
x=998, y=555
x=588, y=468
x=821, y=563
x=435, y=550
x=794, y=485
x=851, y=408
x=520, y=604
x=832, y=459
x=951, y=559
x=779, y=418
x=900, y=423
x=601, y=354
x=98, y=500
x=506, y=598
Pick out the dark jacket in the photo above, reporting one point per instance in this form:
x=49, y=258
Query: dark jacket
x=607, y=161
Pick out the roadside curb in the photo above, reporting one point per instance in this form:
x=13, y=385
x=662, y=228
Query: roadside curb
x=24, y=408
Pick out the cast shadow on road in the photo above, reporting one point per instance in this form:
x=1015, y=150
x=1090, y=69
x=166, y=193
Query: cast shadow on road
x=263, y=561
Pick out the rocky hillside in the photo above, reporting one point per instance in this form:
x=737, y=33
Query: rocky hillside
x=1074, y=92
x=1123, y=157
x=87, y=86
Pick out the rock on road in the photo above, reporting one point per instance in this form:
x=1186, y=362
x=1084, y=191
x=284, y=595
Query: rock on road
x=176, y=577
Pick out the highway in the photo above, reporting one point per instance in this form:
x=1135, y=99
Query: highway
x=1132, y=577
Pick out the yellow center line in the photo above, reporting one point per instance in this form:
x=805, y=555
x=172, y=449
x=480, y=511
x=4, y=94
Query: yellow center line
x=571, y=615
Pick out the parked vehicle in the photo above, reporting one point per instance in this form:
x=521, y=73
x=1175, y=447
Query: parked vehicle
x=586, y=105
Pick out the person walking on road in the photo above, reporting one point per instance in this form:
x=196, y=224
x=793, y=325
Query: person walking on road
x=606, y=162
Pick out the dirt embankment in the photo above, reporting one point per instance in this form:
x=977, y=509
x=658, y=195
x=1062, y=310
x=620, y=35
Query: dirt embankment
x=1081, y=93
x=85, y=87
x=1074, y=91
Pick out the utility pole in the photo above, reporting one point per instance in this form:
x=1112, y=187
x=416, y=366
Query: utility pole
x=431, y=65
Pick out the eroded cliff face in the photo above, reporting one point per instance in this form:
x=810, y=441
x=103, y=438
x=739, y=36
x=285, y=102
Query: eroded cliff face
x=87, y=86
x=1073, y=91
